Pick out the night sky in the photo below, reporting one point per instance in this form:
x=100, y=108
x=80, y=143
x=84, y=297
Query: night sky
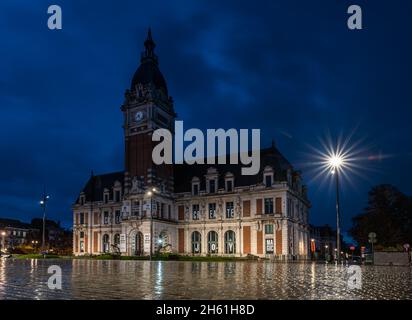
x=291, y=68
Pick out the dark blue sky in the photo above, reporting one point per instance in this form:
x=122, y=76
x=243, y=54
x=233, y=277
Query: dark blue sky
x=291, y=68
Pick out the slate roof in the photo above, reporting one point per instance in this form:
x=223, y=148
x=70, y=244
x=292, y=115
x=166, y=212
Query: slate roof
x=184, y=173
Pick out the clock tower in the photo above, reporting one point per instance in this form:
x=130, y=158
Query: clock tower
x=147, y=107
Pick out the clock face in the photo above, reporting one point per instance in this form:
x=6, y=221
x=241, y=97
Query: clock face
x=138, y=116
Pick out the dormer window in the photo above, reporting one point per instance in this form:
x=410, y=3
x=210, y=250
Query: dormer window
x=211, y=180
x=195, y=186
x=106, y=196
x=289, y=177
x=117, y=196
x=212, y=186
x=229, y=186
x=81, y=200
x=268, y=181
x=229, y=182
x=268, y=177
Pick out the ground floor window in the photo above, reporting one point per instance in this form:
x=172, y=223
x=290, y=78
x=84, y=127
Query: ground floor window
x=212, y=242
x=196, y=242
x=270, y=247
x=116, y=239
x=106, y=245
x=230, y=242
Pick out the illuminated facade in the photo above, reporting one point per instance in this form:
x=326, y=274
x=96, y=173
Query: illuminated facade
x=189, y=209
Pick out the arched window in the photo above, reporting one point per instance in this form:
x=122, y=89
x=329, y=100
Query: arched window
x=106, y=244
x=196, y=242
x=230, y=242
x=212, y=242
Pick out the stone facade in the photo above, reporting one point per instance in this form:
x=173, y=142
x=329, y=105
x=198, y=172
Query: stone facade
x=189, y=209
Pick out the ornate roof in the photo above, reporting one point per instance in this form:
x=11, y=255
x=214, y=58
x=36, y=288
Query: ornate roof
x=148, y=72
x=271, y=157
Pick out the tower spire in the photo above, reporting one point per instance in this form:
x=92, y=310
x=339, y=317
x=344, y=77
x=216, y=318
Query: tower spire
x=148, y=54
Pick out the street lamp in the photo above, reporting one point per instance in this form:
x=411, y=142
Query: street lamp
x=43, y=203
x=335, y=162
x=150, y=194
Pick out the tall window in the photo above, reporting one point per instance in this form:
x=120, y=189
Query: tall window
x=268, y=205
x=106, y=198
x=136, y=208
x=230, y=212
x=212, y=242
x=212, y=186
x=106, y=217
x=196, y=242
x=116, y=240
x=81, y=218
x=106, y=245
x=269, y=229
x=230, y=242
x=195, y=212
x=212, y=210
x=117, y=217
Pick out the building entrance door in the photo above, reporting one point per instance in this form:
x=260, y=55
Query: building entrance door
x=138, y=244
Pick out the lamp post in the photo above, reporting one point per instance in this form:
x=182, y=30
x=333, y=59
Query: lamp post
x=335, y=162
x=43, y=203
x=150, y=194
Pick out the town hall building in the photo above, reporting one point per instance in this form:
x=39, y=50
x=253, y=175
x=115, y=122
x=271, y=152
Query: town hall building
x=197, y=209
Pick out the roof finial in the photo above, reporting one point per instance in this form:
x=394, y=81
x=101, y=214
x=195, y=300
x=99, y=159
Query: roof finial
x=149, y=34
x=149, y=45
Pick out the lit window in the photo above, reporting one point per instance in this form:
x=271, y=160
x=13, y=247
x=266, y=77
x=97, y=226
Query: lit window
x=230, y=212
x=117, y=216
x=212, y=242
x=212, y=210
x=230, y=242
x=195, y=212
x=196, y=242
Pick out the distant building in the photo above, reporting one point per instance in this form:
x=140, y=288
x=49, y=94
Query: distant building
x=17, y=234
x=198, y=209
x=14, y=233
x=56, y=236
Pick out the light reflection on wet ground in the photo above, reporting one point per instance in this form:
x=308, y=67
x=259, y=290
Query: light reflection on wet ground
x=94, y=279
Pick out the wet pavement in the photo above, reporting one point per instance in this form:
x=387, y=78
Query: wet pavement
x=98, y=279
